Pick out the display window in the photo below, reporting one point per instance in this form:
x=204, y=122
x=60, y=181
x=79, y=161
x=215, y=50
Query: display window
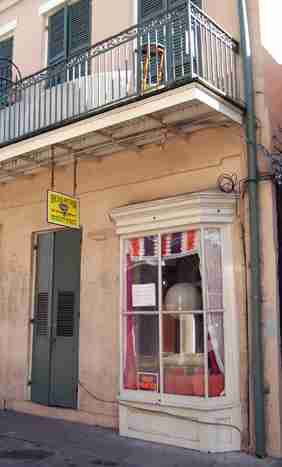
x=173, y=314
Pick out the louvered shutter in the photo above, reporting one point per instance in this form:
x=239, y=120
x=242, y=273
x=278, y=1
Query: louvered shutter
x=57, y=37
x=149, y=8
x=181, y=60
x=6, y=52
x=153, y=37
x=40, y=378
x=79, y=20
x=172, y=3
x=66, y=298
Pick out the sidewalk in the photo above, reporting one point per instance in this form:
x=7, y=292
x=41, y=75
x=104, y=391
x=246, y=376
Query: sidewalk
x=42, y=442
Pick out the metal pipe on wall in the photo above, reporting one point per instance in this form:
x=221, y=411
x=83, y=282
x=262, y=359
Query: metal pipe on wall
x=254, y=220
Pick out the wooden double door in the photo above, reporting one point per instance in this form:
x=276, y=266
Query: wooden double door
x=54, y=377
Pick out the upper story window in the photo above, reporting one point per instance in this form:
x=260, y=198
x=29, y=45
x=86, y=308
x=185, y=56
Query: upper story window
x=69, y=31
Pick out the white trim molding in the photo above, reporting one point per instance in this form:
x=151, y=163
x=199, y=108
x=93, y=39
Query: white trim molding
x=196, y=208
x=8, y=28
x=50, y=5
x=135, y=11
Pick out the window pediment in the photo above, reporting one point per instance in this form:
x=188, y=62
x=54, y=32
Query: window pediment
x=195, y=208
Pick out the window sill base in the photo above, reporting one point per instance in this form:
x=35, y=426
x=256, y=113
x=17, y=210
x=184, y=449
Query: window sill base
x=217, y=430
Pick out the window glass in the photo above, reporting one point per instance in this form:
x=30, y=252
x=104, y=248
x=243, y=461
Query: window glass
x=215, y=328
x=213, y=261
x=169, y=280
x=141, y=322
x=216, y=372
x=141, y=352
x=183, y=355
x=183, y=334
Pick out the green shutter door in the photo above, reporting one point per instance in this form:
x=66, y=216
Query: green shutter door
x=150, y=8
x=181, y=61
x=79, y=21
x=64, y=359
x=40, y=376
x=55, y=338
x=6, y=54
x=57, y=30
x=178, y=61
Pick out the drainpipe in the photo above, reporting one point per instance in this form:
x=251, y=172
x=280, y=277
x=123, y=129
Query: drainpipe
x=255, y=273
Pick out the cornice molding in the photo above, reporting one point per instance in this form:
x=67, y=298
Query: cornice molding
x=196, y=208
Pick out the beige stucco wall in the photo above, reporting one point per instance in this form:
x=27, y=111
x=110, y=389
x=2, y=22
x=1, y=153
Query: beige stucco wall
x=182, y=167
x=225, y=14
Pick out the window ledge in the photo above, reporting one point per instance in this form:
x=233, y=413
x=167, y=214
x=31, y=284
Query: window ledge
x=196, y=208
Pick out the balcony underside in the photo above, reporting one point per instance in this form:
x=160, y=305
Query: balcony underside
x=131, y=127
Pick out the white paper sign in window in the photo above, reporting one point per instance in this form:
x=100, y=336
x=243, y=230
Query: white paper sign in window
x=144, y=295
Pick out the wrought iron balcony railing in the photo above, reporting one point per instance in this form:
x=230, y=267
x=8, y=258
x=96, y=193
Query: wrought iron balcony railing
x=175, y=48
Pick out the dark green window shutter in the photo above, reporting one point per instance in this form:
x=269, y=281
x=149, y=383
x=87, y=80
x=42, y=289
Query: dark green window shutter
x=6, y=52
x=79, y=20
x=181, y=60
x=150, y=8
x=40, y=377
x=172, y=3
x=57, y=37
x=66, y=302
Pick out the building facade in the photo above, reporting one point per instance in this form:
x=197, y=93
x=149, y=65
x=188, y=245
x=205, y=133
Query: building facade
x=140, y=318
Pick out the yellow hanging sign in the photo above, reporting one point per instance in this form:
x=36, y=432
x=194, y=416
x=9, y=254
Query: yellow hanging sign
x=63, y=210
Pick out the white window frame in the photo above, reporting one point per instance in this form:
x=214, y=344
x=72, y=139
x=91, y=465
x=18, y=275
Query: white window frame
x=49, y=7
x=8, y=30
x=196, y=211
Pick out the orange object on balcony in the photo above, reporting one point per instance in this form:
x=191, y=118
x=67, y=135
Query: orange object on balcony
x=148, y=52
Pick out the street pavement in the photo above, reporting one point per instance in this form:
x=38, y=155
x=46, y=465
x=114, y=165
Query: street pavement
x=27, y=440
